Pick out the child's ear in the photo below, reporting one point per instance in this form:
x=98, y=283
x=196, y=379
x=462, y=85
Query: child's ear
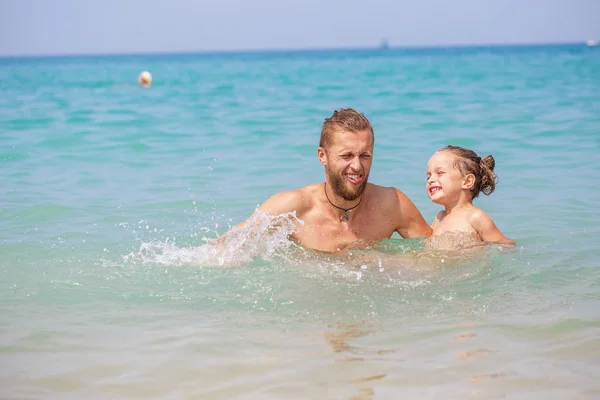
x=468, y=181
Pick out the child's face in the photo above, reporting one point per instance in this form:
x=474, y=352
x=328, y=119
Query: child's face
x=444, y=181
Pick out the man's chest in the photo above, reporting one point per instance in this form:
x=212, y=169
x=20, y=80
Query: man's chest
x=335, y=235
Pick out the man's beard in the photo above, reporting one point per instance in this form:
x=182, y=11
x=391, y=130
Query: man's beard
x=339, y=189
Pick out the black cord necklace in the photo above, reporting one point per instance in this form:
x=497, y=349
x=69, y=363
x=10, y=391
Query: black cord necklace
x=344, y=217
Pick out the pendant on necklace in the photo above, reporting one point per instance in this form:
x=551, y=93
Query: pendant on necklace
x=344, y=217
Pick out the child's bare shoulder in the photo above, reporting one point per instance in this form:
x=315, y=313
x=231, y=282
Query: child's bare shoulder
x=479, y=219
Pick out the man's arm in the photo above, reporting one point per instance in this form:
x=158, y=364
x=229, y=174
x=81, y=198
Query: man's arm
x=487, y=229
x=411, y=223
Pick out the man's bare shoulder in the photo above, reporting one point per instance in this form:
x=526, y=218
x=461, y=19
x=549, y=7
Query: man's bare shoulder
x=387, y=196
x=399, y=209
x=290, y=200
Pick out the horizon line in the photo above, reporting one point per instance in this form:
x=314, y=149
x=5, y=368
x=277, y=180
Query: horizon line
x=292, y=50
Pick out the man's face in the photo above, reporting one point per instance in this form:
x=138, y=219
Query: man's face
x=347, y=162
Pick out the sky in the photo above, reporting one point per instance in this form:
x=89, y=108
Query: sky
x=51, y=27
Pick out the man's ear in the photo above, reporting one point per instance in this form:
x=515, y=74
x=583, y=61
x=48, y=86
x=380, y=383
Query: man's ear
x=322, y=156
x=468, y=181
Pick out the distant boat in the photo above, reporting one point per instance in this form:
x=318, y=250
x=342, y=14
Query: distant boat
x=384, y=45
x=592, y=43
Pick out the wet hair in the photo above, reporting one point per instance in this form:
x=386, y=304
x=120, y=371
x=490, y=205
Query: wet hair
x=468, y=162
x=344, y=119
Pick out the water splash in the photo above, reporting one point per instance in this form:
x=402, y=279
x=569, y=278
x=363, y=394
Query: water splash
x=263, y=236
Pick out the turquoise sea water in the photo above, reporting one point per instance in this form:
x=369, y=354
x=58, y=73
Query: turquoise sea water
x=109, y=192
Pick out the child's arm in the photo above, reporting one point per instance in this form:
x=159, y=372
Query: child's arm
x=487, y=229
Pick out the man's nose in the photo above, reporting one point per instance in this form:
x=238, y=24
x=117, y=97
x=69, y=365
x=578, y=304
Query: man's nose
x=355, y=164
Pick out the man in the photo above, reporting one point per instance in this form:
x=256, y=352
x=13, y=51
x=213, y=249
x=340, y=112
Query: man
x=346, y=211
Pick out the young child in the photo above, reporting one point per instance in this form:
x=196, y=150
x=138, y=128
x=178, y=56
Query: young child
x=456, y=176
